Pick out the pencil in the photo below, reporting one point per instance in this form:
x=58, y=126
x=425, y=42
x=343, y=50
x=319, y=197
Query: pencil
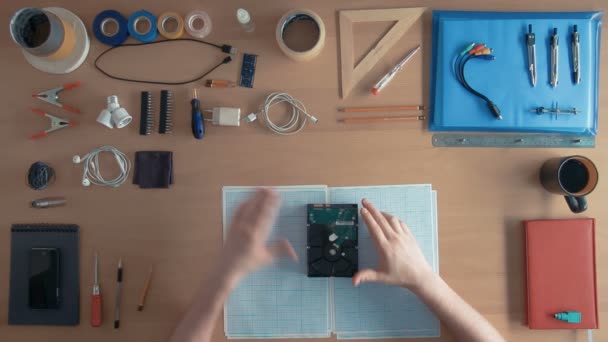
x=379, y=109
x=144, y=291
x=383, y=119
x=118, y=294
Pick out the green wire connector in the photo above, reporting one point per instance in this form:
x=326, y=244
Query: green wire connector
x=569, y=316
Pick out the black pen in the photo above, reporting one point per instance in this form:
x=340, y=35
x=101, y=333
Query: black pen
x=118, y=291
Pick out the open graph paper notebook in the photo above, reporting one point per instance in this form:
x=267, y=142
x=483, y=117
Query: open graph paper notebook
x=280, y=301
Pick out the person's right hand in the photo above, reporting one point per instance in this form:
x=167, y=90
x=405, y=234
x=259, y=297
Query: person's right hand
x=401, y=260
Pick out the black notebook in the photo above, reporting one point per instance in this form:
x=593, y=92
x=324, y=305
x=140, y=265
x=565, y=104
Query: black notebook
x=56, y=247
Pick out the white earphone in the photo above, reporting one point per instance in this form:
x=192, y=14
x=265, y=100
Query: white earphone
x=92, y=172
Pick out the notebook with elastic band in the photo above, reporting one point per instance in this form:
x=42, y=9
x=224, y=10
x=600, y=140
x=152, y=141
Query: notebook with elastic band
x=44, y=276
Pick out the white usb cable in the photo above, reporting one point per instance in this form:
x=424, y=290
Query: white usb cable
x=299, y=115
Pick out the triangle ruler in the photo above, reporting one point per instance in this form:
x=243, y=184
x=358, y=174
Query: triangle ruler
x=351, y=75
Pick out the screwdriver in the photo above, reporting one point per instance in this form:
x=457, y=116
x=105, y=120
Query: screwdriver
x=96, y=297
x=198, y=125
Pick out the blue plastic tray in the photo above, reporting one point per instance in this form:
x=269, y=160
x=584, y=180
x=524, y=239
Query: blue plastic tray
x=506, y=80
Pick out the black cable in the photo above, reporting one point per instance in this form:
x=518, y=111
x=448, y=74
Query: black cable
x=468, y=86
x=40, y=175
x=462, y=62
x=224, y=48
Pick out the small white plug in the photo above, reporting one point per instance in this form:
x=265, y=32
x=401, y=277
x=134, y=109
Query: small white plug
x=251, y=117
x=225, y=116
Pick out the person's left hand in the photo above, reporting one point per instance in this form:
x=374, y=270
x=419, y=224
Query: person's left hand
x=245, y=249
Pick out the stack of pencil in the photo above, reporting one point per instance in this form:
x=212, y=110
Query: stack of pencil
x=382, y=118
x=219, y=84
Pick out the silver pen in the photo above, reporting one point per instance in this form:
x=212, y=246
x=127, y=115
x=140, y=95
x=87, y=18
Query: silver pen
x=388, y=77
x=531, y=42
x=118, y=294
x=554, y=58
x=576, y=53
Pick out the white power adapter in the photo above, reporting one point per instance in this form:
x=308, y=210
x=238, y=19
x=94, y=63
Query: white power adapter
x=226, y=116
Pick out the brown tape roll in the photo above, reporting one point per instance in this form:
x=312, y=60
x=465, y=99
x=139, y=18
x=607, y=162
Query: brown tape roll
x=162, y=21
x=292, y=17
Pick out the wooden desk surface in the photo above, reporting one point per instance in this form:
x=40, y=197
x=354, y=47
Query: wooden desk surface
x=483, y=193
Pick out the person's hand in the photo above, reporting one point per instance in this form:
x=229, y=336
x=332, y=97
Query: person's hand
x=245, y=249
x=401, y=260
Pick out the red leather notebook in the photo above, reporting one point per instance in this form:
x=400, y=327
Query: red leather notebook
x=560, y=274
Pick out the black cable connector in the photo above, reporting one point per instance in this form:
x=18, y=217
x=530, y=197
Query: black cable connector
x=229, y=49
x=494, y=109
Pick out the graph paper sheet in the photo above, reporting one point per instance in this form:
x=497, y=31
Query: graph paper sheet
x=380, y=311
x=280, y=301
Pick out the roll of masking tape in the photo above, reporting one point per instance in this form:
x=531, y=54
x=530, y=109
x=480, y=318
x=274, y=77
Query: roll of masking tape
x=144, y=36
x=103, y=33
x=42, y=33
x=292, y=17
x=163, y=21
x=62, y=49
x=198, y=24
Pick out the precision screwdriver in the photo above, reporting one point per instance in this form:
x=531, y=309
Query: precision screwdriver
x=198, y=125
x=96, y=297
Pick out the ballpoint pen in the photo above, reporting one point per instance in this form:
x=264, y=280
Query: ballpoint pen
x=576, y=61
x=118, y=293
x=554, y=58
x=388, y=77
x=531, y=43
x=96, y=297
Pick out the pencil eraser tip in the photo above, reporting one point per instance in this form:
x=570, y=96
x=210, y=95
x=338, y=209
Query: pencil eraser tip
x=375, y=91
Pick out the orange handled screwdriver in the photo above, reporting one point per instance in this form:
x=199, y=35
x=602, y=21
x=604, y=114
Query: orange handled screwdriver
x=96, y=298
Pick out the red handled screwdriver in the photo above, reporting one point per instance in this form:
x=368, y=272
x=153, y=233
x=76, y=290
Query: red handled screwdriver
x=96, y=297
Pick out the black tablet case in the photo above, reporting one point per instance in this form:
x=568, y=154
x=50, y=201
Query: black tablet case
x=62, y=236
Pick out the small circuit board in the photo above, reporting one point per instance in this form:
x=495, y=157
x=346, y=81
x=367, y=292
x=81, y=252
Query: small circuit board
x=332, y=248
x=248, y=70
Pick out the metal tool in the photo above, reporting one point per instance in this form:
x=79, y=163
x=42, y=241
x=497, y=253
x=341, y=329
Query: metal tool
x=512, y=140
x=52, y=96
x=96, y=306
x=118, y=295
x=576, y=53
x=554, y=110
x=198, y=125
x=56, y=124
x=389, y=76
x=554, y=58
x=531, y=43
x=48, y=202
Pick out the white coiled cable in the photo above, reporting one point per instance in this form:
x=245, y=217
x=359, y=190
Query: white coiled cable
x=298, y=119
x=92, y=171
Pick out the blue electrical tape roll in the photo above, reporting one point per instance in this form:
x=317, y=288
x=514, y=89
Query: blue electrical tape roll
x=109, y=38
x=152, y=32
